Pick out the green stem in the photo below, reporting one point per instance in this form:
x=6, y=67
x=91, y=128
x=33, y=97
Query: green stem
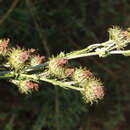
x=6, y=74
x=90, y=48
x=52, y=81
x=27, y=76
x=61, y=84
x=120, y=52
x=82, y=55
x=37, y=67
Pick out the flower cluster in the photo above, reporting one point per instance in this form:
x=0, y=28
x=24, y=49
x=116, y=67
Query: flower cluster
x=25, y=86
x=57, y=68
x=25, y=67
x=119, y=36
x=18, y=59
x=92, y=88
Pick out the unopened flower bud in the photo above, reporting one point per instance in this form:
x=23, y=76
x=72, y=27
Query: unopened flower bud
x=69, y=72
x=26, y=86
x=119, y=36
x=57, y=67
x=93, y=91
x=17, y=58
x=93, y=88
x=23, y=57
x=36, y=60
x=81, y=75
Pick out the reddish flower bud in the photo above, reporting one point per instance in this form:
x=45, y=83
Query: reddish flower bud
x=40, y=59
x=36, y=60
x=23, y=57
x=17, y=58
x=125, y=34
x=32, y=85
x=61, y=62
x=87, y=74
x=69, y=72
x=3, y=45
x=57, y=67
x=99, y=92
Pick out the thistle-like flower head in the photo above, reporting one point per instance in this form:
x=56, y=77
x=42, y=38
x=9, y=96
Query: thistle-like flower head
x=81, y=75
x=119, y=36
x=25, y=86
x=93, y=91
x=36, y=60
x=93, y=88
x=57, y=66
x=17, y=58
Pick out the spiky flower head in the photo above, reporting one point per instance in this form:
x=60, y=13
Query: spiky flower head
x=17, y=58
x=57, y=66
x=93, y=91
x=119, y=36
x=81, y=75
x=93, y=88
x=36, y=60
x=25, y=86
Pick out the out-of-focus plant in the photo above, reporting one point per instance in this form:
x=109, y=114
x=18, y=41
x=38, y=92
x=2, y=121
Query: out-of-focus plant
x=26, y=68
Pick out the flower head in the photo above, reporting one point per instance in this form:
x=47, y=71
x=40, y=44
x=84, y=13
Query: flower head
x=17, y=58
x=32, y=85
x=119, y=36
x=81, y=75
x=36, y=60
x=23, y=56
x=99, y=92
x=61, y=62
x=93, y=90
x=57, y=66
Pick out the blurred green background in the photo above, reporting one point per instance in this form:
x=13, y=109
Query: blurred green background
x=52, y=26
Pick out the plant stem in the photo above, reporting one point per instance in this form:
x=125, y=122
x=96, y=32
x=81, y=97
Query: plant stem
x=120, y=52
x=82, y=55
x=64, y=85
x=61, y=84
x=6, y=74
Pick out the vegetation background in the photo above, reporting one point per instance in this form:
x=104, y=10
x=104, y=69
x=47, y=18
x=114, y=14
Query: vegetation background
x=52, y=26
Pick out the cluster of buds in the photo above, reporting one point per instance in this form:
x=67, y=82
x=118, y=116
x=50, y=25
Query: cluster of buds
x=92, y=88
x=26, y=67
x=19, y=59
x=57, y=66
x=119, y=36
x=91, y=85
x=25, y=86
